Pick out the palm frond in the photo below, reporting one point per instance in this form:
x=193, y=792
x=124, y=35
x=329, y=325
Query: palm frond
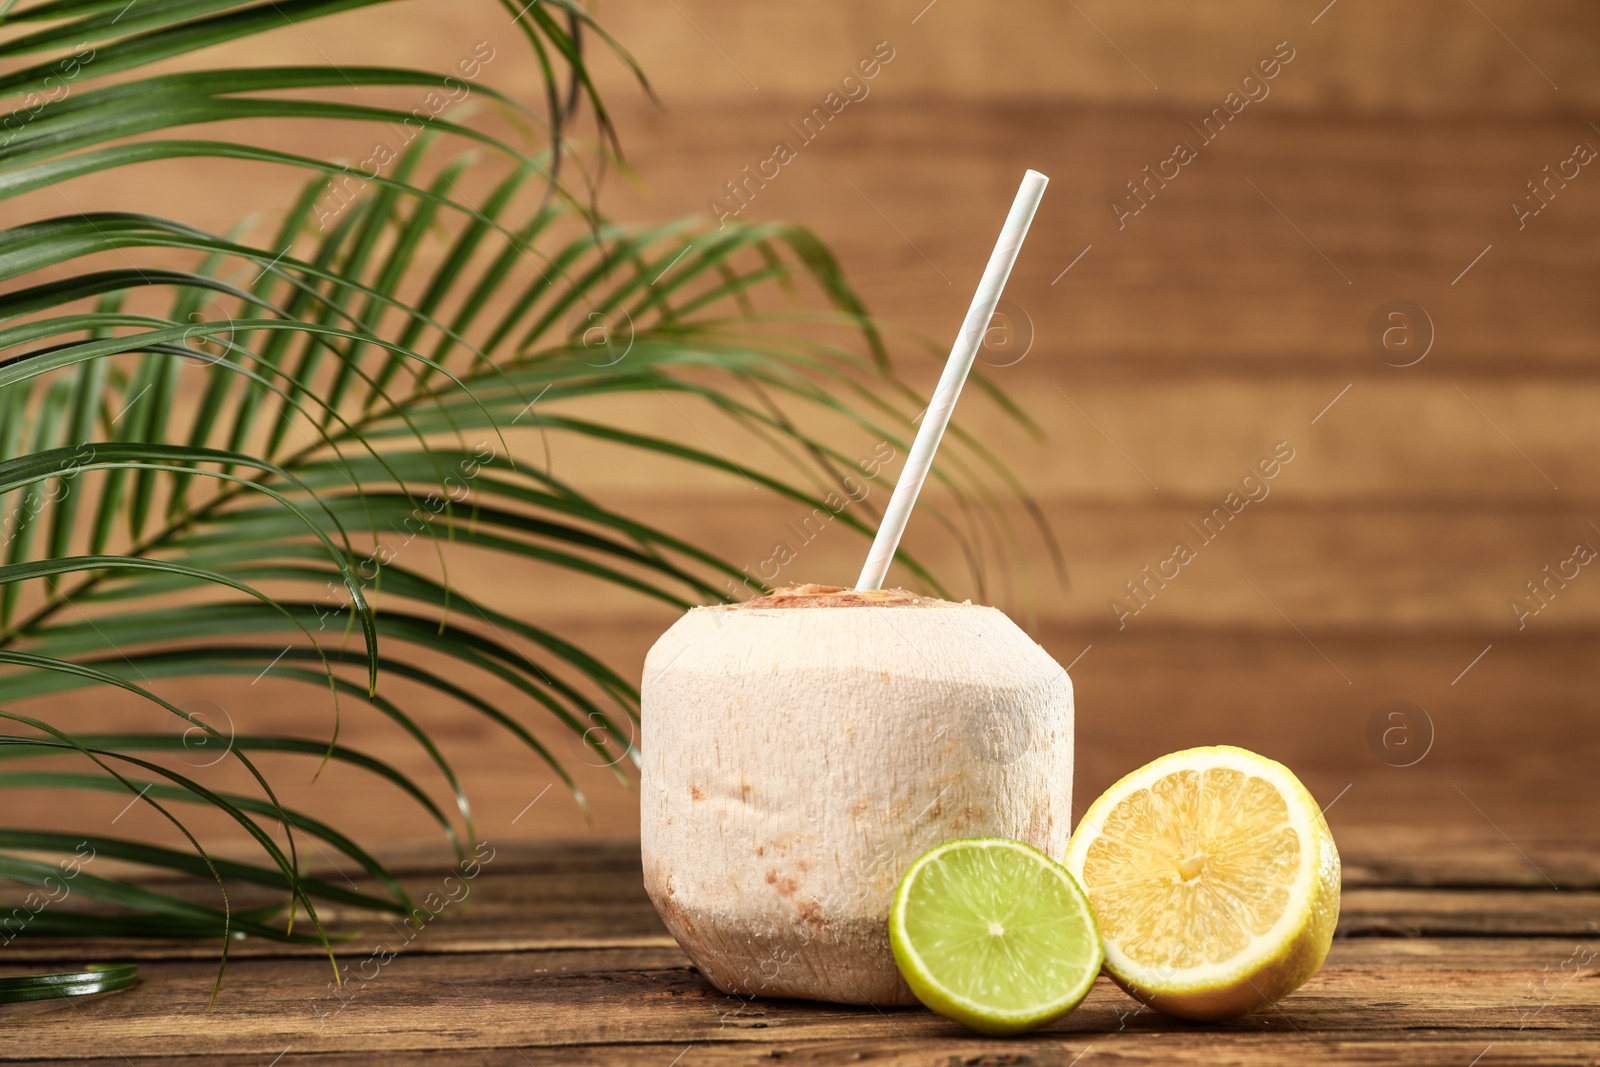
x=208, y=442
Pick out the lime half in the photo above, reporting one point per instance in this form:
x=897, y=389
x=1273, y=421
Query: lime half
x=994, y=934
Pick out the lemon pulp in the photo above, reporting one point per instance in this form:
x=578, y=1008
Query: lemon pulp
x=1214, y=878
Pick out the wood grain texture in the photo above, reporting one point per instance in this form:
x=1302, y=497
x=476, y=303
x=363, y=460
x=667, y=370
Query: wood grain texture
x=1273, y=1050
x=1230, y=313
x=1417, y=972
x=1505, y=752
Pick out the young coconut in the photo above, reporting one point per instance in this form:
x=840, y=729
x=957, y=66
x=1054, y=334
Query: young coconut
x=800, y=750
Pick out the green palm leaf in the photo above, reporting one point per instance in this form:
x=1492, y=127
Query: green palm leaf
x=202, y=467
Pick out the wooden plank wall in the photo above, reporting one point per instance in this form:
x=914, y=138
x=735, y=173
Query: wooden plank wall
x=1172, y=350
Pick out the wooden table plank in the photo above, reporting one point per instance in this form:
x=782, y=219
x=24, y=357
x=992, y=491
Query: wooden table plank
x=1420, y=1048
x=557, y=1000
x=582, y=895
x=512, y=925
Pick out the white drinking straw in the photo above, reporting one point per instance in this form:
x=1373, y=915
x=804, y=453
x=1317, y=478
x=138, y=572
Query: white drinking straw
x=955, y=373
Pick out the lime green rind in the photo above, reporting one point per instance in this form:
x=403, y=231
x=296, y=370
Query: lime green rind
x=922, y=968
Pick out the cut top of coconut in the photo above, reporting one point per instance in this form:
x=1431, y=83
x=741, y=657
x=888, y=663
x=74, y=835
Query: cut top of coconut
x=833, y=596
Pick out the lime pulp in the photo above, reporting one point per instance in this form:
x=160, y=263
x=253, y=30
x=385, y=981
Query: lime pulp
x=994, y=934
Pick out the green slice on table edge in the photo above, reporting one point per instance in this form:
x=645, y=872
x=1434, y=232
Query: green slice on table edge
x=95, y=978
x=994, y=934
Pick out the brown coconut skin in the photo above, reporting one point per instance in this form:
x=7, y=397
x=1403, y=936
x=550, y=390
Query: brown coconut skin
x=798, y=752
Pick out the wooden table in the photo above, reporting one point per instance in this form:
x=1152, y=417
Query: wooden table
x=1454, y=948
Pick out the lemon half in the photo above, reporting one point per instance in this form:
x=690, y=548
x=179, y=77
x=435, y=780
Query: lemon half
x=1214, y=878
